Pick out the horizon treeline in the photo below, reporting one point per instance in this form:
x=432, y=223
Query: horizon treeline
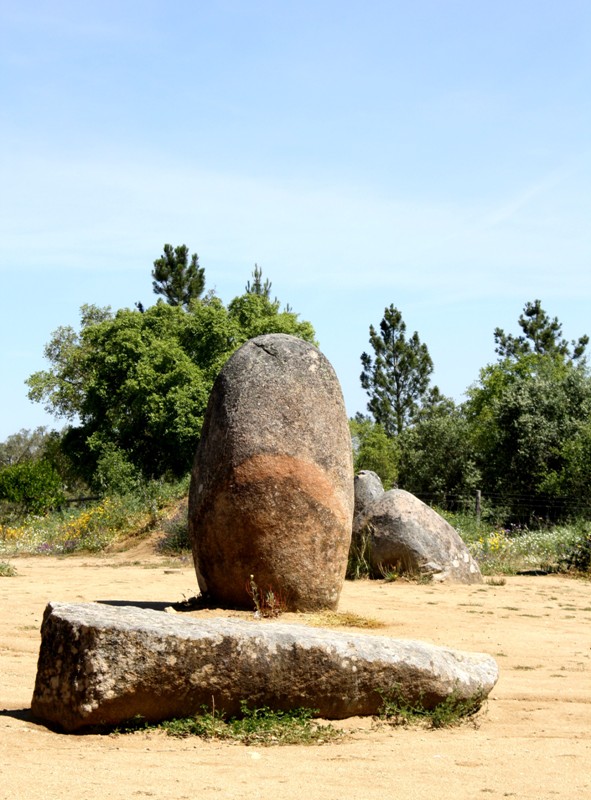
x=132, y=387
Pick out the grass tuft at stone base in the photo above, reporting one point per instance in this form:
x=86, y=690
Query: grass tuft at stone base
x=397, y=709
x=260, y=726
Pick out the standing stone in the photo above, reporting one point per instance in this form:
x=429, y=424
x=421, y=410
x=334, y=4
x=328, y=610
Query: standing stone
x=272, y=485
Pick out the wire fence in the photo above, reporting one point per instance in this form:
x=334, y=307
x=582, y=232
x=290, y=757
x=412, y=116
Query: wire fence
x=528, y=508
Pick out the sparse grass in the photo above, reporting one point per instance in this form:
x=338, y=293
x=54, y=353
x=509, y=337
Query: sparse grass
x=398, y=709
x=358, y=563
x=389, y=573
x=7, y=570
x=92, y=527
x=261, y=726
x=496, y=581
x=509, y=550
x=341, y=619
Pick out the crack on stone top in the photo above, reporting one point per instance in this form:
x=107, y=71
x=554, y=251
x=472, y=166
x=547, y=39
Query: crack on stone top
x=272, y=351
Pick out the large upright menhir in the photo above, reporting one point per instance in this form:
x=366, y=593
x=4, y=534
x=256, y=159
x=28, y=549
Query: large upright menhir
x=272, y=485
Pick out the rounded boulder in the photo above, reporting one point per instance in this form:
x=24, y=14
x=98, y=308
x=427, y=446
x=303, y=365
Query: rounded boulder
x=271, y=498
x=409, y=537
x=367, y=488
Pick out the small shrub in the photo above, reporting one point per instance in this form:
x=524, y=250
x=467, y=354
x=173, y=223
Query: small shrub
x=579, y=555
x=358, y=562
x=176, y=533
x=269, y=603
x=398, y=709
x=33, y=486
x=7, y=570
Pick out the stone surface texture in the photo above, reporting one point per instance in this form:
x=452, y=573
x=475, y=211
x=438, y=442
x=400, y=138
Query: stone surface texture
x=100, y=665
x=272, y=485
x=412, y=538
x=367, y=488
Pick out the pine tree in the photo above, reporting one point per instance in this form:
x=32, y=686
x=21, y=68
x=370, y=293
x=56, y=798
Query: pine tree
x=257, y=286
x=177, y=279
x=397, y=377
x=542, y=335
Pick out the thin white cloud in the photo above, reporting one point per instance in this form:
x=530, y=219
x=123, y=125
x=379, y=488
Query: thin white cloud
x=513, y=205
x=109, y=212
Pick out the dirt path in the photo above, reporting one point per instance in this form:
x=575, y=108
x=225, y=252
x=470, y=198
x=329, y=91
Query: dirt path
x=532, y=741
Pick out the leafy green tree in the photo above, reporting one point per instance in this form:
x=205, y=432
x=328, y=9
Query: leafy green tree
x=176, y=278
x=255, y=314
x=397, y=377
x=529, y=417
x=374, y=450
x=525, y=418
x=134, y=385
x=136, y=381
x=572, y=481
x=437, y=460
x=23, y=446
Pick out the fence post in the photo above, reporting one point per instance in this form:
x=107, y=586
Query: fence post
x=478, y=505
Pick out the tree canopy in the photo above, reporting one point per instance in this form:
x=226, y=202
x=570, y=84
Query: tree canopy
x=134, y=384
x=529, y=417
x=26, y=445
x=437, y=460
x=523, y=436
x=373, y=449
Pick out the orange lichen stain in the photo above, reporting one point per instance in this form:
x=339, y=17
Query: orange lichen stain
x=312, y=480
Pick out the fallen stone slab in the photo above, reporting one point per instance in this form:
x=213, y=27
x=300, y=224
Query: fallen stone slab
x=100, y=665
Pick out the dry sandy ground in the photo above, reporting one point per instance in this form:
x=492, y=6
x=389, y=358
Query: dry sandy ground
x=532, y=741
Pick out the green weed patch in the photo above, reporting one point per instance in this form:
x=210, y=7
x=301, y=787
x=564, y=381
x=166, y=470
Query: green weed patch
x=260, y=726
x=397, y=709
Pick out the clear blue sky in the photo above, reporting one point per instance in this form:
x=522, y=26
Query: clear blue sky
x=434, y=155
